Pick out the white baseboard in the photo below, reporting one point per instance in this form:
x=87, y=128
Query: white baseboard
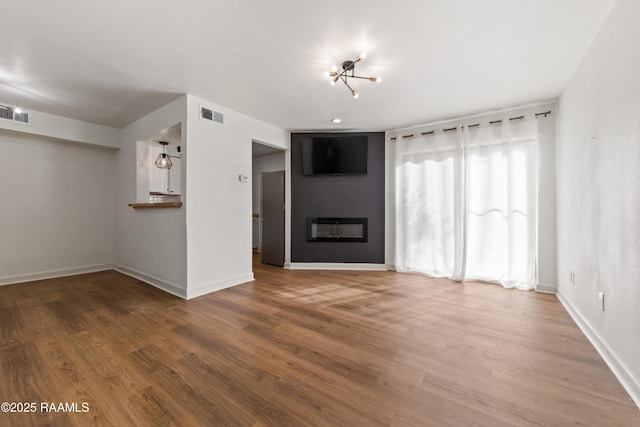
x=334, y=266
x=626, y=378
x=546, y=289
x=219, y=285
x=153, y=281
x=52, y=274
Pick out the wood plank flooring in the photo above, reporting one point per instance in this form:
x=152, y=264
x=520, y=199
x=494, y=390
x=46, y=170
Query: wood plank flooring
x=300, y=348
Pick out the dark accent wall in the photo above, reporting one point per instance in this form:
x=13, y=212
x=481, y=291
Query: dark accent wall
x=348, y=196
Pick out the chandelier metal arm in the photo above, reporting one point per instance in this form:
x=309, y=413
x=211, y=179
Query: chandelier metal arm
x=344, y=74
x=345, y=82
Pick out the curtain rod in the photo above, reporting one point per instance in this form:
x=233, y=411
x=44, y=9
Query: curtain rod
x=432, y=132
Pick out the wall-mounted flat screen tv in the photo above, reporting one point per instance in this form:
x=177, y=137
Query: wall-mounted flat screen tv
x=334, y=155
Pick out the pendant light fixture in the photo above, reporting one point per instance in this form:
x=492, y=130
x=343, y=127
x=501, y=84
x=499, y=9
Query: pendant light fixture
x=344, y=75
x=163, y=161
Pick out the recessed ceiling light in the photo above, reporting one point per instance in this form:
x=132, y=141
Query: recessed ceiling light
x=336, y=121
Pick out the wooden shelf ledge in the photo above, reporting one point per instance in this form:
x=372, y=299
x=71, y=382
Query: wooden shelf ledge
x=160, y=193
x=156, y=205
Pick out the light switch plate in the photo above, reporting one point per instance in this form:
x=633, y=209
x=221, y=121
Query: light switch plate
x=601, y=300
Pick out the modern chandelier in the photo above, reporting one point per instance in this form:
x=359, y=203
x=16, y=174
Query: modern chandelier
x=348, y=72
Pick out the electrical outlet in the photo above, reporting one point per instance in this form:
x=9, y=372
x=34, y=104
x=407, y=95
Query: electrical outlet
x=601, y=300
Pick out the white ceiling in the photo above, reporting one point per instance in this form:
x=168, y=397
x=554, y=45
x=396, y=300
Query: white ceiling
x=259, y=150
x=113, y=62
x=172, y=135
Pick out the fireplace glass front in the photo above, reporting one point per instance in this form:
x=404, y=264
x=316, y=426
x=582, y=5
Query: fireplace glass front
x=336, y=229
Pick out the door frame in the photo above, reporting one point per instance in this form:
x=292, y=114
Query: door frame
x=287, y=193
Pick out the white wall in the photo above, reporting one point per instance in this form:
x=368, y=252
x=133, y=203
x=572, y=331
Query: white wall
x=390, y=199
x=150, y=243
x=547, y=192
x=219, y=206
x=598, y=164
x=64, y=129
x=57, y=207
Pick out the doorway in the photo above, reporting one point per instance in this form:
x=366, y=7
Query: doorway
x=268, y=166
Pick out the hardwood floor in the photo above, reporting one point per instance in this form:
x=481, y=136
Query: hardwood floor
x=300, y=348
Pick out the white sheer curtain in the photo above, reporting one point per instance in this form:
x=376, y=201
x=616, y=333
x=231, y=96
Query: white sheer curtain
x=466, y=204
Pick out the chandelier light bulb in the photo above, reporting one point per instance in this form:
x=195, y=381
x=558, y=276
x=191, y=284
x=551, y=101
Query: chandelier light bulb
x=163, y=161
x=355, y=94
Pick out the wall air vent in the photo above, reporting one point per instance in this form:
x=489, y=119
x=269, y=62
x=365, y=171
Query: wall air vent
x=11, y=113
x=22, y=117
x=6, y=113
x=214, y=116
x=206, y=114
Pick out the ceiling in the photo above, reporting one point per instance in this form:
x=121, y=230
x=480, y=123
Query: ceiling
x=172, y=135
x=113, y=62
x=259, y=150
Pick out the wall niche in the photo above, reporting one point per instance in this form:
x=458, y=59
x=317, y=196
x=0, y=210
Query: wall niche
x=156, y=184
